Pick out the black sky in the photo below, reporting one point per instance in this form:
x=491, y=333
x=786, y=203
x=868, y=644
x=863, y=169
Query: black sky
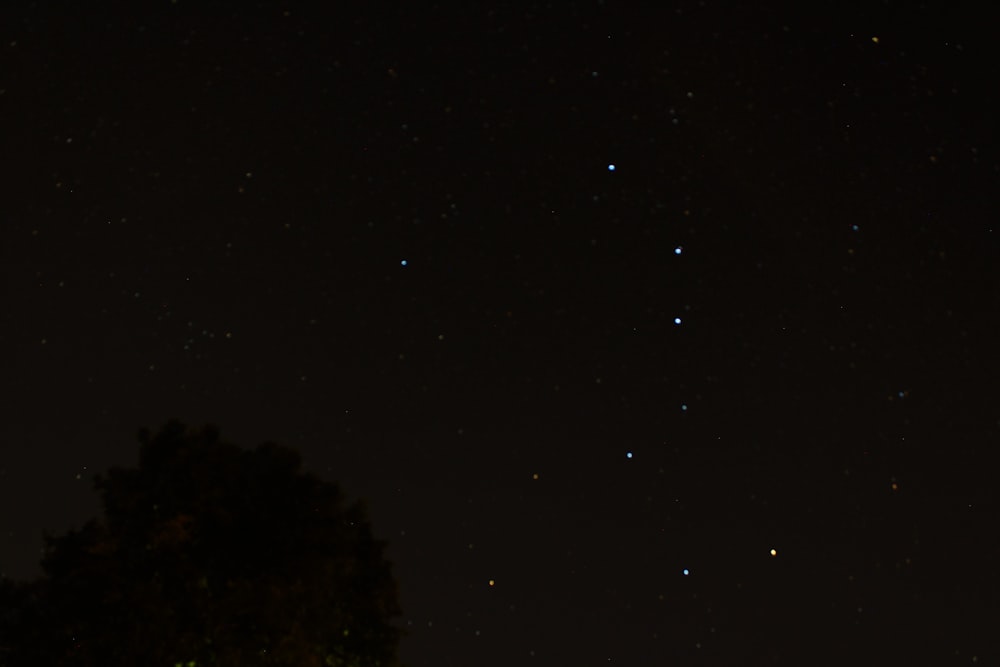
x=391, y=238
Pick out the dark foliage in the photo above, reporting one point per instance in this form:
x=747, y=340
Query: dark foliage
x=208, y=554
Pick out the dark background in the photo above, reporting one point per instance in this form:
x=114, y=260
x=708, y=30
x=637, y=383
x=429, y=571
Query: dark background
x=206, y=210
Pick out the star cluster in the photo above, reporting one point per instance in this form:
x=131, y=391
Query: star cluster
x=648, y=336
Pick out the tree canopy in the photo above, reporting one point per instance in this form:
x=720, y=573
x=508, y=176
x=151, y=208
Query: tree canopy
x=208, y=554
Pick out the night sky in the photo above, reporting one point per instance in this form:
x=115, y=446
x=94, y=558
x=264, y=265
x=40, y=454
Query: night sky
x=593, y=305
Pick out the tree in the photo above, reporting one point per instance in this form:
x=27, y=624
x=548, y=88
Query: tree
x=208, y=554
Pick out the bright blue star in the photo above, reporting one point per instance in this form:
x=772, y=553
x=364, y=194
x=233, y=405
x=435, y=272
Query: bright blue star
x=403, y=263
x=611, y=167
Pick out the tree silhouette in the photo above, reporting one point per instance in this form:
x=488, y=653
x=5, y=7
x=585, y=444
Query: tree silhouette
x=208, y=554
